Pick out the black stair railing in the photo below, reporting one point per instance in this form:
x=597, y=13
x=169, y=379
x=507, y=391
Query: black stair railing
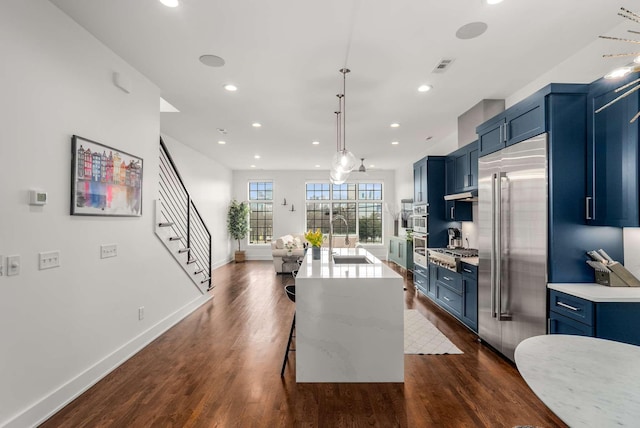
x=182, y=216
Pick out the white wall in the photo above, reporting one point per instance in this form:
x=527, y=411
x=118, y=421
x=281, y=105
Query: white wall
x=291, y=185
x=209, y=184
x=63, y=328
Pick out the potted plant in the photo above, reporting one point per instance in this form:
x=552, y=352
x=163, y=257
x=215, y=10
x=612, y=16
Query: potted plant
x=315, y=239
x=238, y=225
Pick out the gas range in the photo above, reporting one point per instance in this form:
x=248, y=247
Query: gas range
x=450, y=258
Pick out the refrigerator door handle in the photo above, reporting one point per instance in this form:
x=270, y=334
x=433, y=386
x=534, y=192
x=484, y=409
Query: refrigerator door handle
x=500, y=315
x=494, y=203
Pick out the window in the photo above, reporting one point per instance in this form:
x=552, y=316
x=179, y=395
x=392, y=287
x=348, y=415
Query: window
x=261, y=212
x=360, y=204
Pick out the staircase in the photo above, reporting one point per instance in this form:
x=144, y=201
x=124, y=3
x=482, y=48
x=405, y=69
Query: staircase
x=180, y=227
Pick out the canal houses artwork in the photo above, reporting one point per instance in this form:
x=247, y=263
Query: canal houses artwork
x=105, y=181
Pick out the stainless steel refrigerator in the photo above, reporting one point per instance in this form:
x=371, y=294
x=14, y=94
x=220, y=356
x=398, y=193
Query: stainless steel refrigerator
x=512, y=275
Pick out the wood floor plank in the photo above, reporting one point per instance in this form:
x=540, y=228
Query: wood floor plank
x=220, y=367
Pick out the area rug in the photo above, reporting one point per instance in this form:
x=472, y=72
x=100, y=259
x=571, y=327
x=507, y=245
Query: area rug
x=421, y=337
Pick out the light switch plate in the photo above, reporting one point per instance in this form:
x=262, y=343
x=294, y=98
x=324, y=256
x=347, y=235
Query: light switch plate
x=48, y=260
x=108, y=250
x=13, y=265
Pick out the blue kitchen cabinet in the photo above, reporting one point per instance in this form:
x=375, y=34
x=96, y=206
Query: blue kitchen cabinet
x=455, y=292
x=458, y=211
x=607, y=320
x=462, y=169
x=612, y=197
x=470, y=295
x=401, y=252
x=420, y=181
x=421, y=278
x=429, y=188
x=518, y=123
x=559, y=111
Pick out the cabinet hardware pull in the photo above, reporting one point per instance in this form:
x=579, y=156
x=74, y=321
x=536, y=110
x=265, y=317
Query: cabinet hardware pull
x=446, y=298
x=466, y=270
x=587, y=203
x=452, y=217
x=447, y=278
x=564, y=305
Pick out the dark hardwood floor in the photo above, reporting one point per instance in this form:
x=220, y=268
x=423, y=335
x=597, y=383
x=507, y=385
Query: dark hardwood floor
x=220, y=367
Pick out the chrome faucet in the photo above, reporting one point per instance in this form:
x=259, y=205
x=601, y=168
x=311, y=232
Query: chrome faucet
x=346, y=239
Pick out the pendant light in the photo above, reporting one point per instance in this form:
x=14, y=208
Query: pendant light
x=337, y=175
x=362, y=167
x=343, y=160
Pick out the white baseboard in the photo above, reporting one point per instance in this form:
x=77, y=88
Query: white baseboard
x=52, y=403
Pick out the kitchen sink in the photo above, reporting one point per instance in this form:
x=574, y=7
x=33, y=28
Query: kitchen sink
x=350, y=259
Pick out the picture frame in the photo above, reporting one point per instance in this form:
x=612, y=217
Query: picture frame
x=105, y=181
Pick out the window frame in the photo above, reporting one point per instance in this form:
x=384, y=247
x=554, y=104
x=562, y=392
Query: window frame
x=262, y=200
x=356, y=202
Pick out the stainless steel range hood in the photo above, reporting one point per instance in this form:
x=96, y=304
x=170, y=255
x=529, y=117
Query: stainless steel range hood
x=471, y=196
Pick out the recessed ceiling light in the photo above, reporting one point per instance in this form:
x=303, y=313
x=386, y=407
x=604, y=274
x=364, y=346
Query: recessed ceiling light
x=395, y=125
x=253, y=166
x=256, y=124
x=493, y=1
x=212, y=60
x=395, y=143
x=424, y=88
x=315, y=143
x=231, y=88
x=317, y=166
x=169, y=3
x=222, y=143
x=372, y=166
x=256, y=157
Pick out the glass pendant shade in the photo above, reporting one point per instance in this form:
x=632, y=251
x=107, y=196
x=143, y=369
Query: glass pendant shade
x=338, y=177
x=344, y=161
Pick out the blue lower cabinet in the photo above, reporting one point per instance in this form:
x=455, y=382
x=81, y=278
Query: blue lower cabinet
x=560, y=324
x=617, y=321
x=420, y=281
x=456, y=293
x=470, y=296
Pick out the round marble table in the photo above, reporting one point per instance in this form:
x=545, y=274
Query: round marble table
x=587, y=382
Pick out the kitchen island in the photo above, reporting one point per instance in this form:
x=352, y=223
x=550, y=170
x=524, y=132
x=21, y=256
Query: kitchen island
x=349, y=319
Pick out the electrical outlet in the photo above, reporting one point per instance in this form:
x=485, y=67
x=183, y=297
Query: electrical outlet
x=141, y=313
x=13, y=265
x=48, y=260
x=108, y=250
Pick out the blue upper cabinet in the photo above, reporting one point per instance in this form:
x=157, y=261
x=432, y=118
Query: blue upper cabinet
x=462, y=169
x=520, y=122
x=612, y=156
x=429, y=188
x=420, y=181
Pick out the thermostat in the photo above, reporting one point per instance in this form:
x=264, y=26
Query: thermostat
x=37, y=197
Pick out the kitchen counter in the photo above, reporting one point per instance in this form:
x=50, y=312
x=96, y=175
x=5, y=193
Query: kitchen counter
x=599, y=293
x=349, y=320
x=587, y=382
x=471, y=260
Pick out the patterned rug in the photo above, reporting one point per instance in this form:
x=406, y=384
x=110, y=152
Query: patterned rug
x=422, y=337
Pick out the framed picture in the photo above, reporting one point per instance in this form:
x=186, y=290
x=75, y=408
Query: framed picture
x=104, y=181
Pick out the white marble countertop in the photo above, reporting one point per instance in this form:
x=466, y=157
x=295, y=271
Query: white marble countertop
x=587, y=382
x=349, y=320
x=599, y=293
x=325, y=268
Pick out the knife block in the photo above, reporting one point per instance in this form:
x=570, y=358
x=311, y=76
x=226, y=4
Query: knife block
x=618, y=277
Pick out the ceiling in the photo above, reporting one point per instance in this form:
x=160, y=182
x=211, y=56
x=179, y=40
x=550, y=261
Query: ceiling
x=284, y=56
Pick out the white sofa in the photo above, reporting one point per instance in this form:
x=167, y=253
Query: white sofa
x=278, y=247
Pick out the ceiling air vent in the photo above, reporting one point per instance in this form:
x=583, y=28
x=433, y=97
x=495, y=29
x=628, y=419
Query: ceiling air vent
x=443, y=65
